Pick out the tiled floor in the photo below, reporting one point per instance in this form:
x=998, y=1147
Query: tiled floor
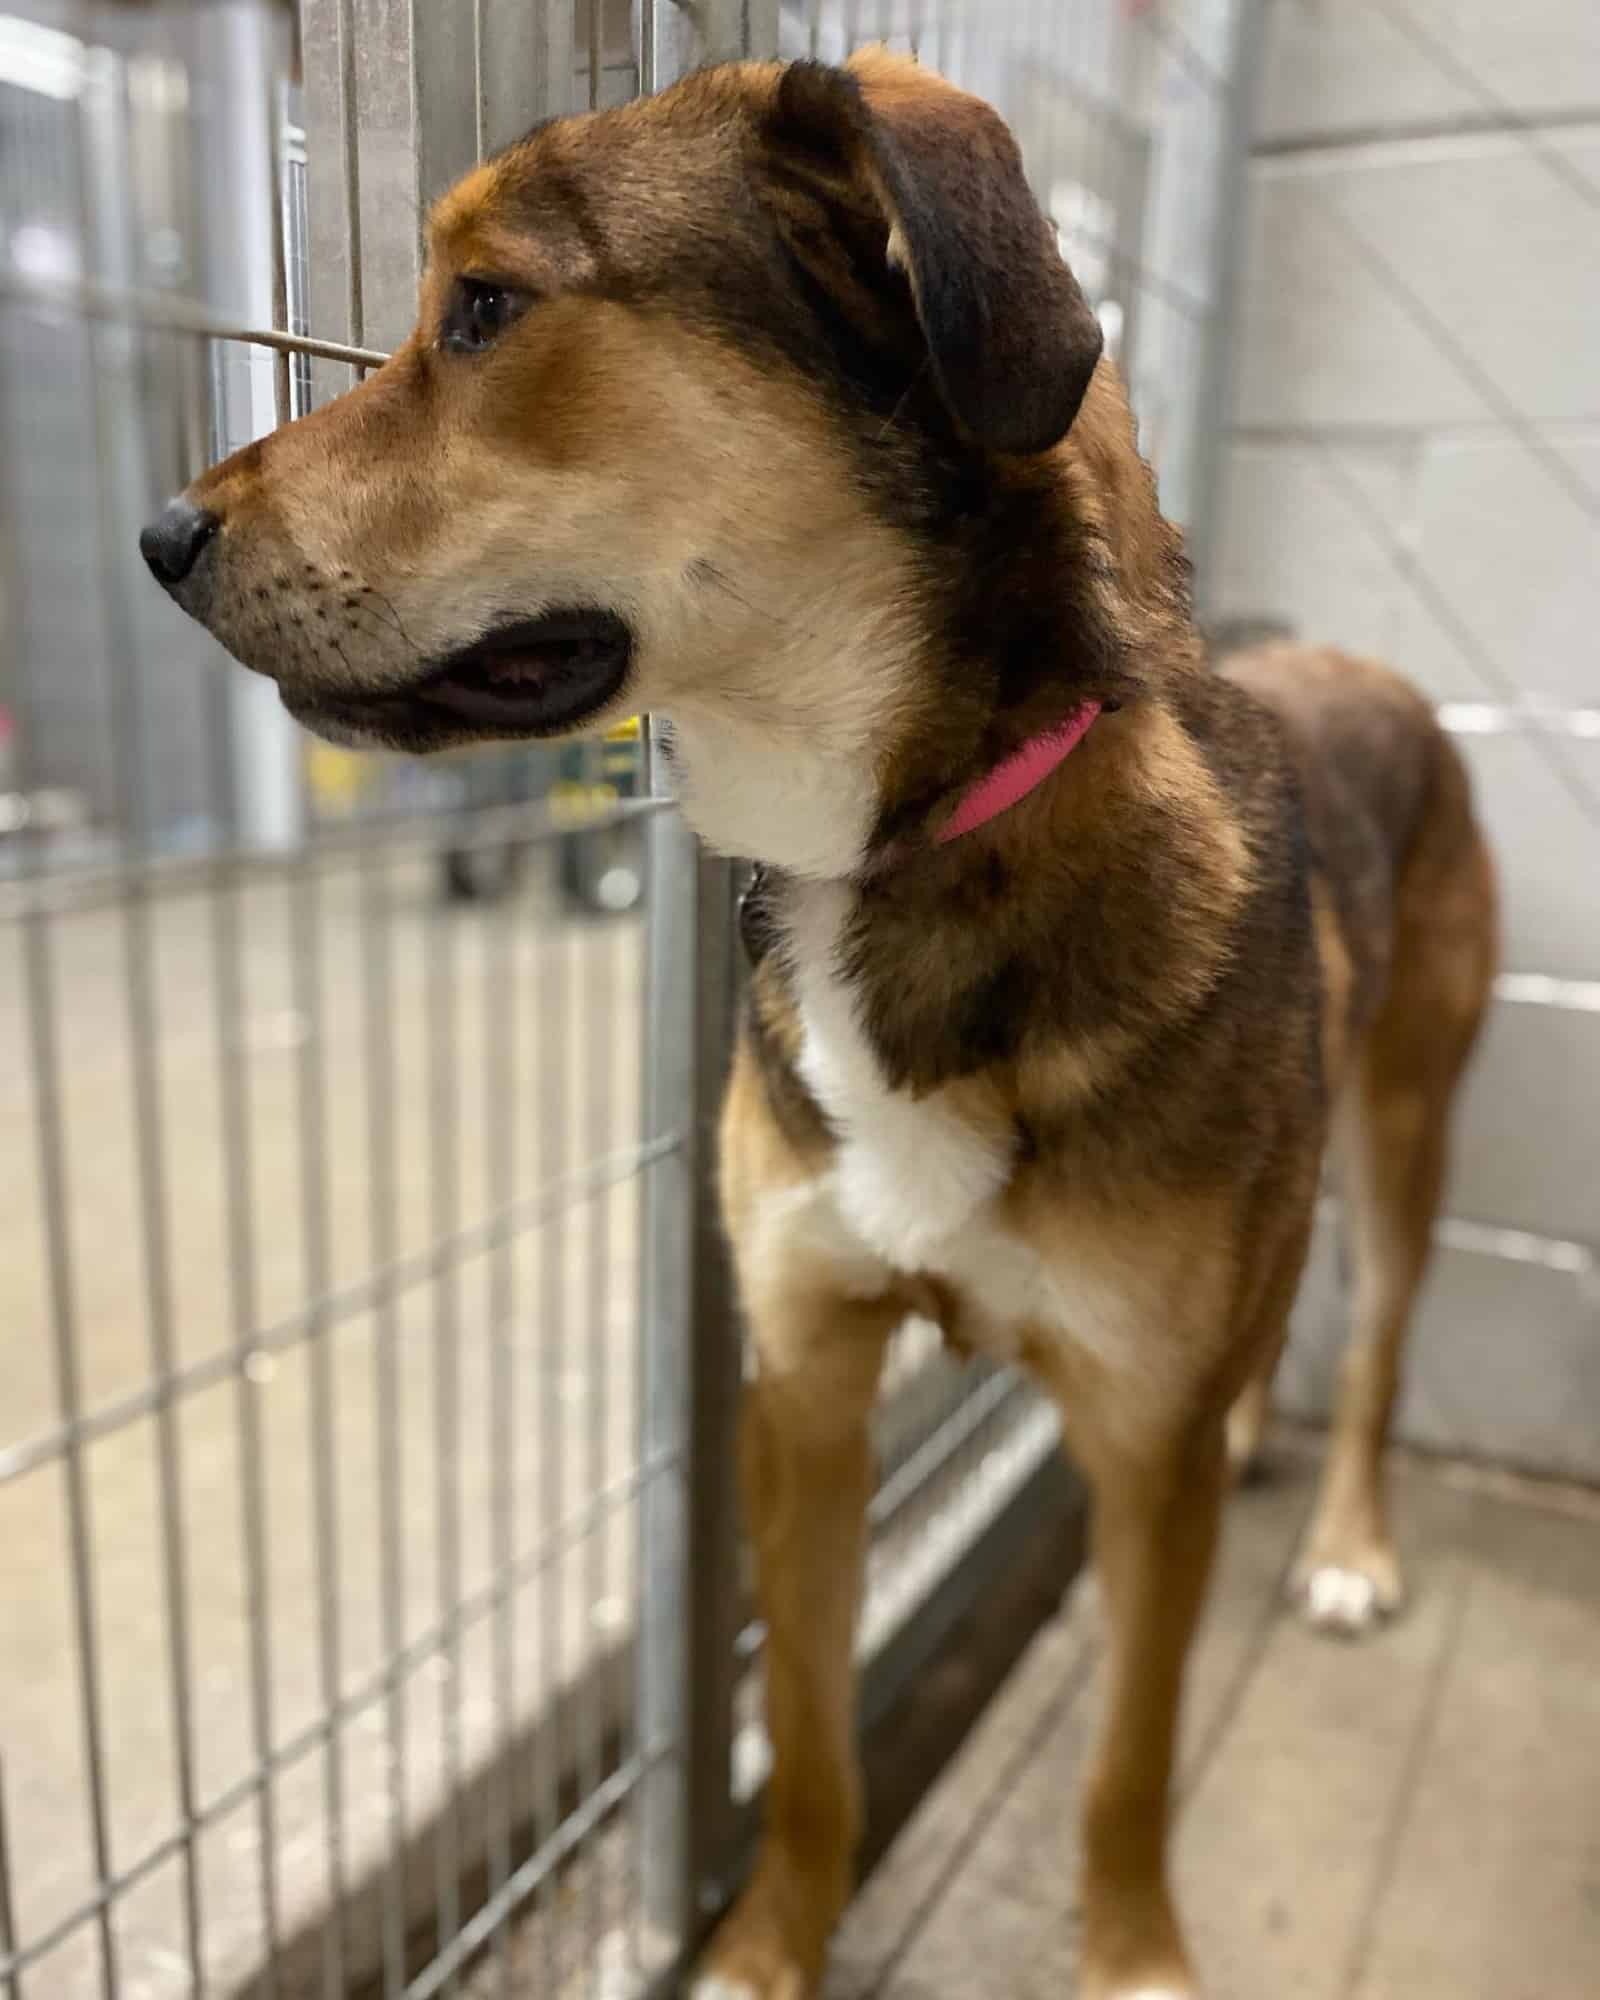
x=1414, y=1818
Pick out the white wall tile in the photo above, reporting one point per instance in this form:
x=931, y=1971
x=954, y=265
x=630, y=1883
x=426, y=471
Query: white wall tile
x=1503, y=1360
x=1473, y=237
x=1333, y=66
x=1320, y=341
x=1294, y=547
x=1546, y=849
x=1339, y=66
x=1518, y=561
x=1526, y=1149
x=1498, y=250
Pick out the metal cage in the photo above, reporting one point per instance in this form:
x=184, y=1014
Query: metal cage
x=374, y=1617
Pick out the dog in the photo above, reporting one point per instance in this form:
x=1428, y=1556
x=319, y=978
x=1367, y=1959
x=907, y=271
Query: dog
x=769, y=405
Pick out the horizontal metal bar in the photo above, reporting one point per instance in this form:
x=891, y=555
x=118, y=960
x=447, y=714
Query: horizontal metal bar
x=1490, y=718
x=1542, y=989
x=471, y=1610
x=167, y=312
x=1492, y=1239
x=1357, y=431
x=929, y=1459
x=1338, y=145
x=539, y=1866
x=1516, y=1246
x=386, y=1283
x=75, y=890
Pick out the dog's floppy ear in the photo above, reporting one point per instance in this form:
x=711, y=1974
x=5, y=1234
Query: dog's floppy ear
x=1012, y=341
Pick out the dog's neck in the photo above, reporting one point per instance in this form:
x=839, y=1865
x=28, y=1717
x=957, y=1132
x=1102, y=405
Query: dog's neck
x=805, y=808
x=1005, y=597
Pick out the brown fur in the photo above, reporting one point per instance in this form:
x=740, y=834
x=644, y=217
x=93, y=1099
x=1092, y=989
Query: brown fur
x=796, y=386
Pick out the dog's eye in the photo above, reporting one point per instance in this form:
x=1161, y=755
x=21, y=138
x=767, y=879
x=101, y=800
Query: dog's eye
x=479, y=312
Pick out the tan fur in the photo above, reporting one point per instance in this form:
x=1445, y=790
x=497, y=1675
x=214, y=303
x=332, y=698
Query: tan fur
x=1107, y=1032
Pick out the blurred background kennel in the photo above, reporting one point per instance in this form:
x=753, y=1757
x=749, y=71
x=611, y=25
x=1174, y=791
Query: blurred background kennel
x=371, y=1610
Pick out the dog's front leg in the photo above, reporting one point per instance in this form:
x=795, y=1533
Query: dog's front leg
x=807, y=1467
x=1156, y=1505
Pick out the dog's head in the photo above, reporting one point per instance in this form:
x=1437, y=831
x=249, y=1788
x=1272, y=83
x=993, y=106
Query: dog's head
x=703, y=393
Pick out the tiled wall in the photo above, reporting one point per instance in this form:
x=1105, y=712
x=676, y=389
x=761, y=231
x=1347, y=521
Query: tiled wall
x=1414, y=471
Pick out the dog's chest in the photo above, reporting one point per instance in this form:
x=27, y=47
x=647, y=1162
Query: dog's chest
x=914, y=1185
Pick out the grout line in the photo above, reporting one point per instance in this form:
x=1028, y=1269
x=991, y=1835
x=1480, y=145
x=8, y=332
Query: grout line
x=1386, y=1851
x=1007, y=1777
x=1301, y=152
x=1191, y=1772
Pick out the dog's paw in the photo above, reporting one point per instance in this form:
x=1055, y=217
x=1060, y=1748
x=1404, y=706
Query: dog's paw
x=750, y=1959
x=1165, y=1989
x=779, y=1982
x=1350, y=1599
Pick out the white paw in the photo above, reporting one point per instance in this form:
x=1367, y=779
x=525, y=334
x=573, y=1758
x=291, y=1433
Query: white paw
x=1342, y=1601
x=722, y=1989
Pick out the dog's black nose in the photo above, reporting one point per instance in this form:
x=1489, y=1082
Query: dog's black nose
x=172, y=542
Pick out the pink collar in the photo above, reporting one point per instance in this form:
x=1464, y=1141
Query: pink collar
x=1018, y=775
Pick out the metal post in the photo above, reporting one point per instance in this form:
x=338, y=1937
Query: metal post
x=690, y=1369
x=690, y=1372
x=1214, y=393
x=237, y=146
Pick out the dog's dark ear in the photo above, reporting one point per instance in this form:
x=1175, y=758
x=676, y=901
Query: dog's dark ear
x=1012, y=340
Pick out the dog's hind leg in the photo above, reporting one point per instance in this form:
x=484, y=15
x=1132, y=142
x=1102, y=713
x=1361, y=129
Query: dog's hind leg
x=1247, y=1423
x=807, y=1465
x=1392, y=1151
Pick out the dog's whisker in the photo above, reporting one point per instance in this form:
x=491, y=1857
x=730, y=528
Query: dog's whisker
x=710, y=572
x=892, y=421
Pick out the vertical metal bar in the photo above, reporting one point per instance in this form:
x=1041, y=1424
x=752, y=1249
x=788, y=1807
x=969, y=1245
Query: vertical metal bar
x=550, y=1426
x=107, y=236
x=44, y=1069
x=676, y=38
x=523, y=50
x=333, y=180
x=479, y=98
x=8, y=1916
x=443, y=97
x=240, y=50
x=499, y=1042
x=350, y=177
x=305, y=939
x=390, y=177
x=597, y=1017
x=440, y=1009
x=596, y=56
x=377, y=996
x=1214, y=388
x=666, y=1879
x=231, y=1028
x=690, y=1369
x=273, y=86
x=501, y=1046
x=759, y=34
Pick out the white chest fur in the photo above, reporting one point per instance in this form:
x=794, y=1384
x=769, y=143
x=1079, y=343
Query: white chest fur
x=914, y=1184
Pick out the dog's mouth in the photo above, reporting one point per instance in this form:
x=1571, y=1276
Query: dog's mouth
x=533, y=677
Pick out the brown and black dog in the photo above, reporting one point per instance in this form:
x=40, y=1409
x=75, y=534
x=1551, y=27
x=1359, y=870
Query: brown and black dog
x=768, y=404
